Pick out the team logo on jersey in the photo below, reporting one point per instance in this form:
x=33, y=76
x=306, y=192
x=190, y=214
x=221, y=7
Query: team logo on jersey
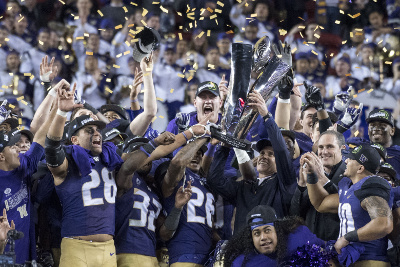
x=96, y=158
x=138, y=181
x=7, y=191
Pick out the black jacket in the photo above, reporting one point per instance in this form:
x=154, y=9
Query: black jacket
x=323, y=225
x=276, y=191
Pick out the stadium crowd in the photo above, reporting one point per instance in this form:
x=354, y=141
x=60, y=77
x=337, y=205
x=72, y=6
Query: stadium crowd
x=109, y=161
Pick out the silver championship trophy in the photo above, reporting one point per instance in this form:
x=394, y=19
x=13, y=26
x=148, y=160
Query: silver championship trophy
x=238, y=116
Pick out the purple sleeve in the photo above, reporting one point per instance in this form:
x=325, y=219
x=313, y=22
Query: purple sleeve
x=172, y=127
x=29, y=160
x=272, y=106
x=134, y=113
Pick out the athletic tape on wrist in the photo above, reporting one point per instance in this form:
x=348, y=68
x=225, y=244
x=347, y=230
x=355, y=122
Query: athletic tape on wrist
x=241, y=155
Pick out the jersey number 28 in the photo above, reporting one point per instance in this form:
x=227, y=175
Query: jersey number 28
x=110, y=188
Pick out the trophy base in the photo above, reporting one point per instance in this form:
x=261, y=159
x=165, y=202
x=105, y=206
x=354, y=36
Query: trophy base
x=230, y=140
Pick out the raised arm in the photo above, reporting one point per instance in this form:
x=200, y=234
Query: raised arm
x=140, y=124
x=171, y=223
x=47, y=74
x=319, y=197
x=54, y=152
x=178, y=165
x=4, y=228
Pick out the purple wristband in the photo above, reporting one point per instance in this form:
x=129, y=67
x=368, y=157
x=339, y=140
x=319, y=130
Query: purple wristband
x=185, y=136
x=210, y=150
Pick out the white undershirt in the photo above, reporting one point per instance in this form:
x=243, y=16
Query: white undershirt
x=260, y=180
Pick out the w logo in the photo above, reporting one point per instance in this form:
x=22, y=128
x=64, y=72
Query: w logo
x=363, y=158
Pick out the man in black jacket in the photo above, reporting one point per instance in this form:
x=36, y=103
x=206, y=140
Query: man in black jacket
x=330, y=145
x=276, y=182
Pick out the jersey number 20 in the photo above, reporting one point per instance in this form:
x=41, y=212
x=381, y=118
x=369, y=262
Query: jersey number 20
x=110, y=188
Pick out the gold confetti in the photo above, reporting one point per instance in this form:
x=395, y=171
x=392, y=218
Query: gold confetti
x=210, y=10
x=301, y=18
x=24, y=102
x=32, y=76
x=302, y=27
x=11, y=105
x=161, y=117
x=101, y=14
x=109, y=90
x=294, y=50
x=127, y=52
x=86, y=34
x=359, y=33
x=348, y=74
x=119, y=55
x=108, y=80
x=253, y=15
x=20, y=19
x=61, y=2
x=27, y=74
x=354, y=96
x=80, y=38
x=315, y=53
x=180, y=36
x=388, y=62
x=351, y=34
x=163, y=9
x=144, y=13
x=343, y=42
x=127, y=43
x=370, y=90
x=20, y=98
x=218, y=10
x=154, y=119
x=200, y=35
x=76, y=17
x=356, y=15
x=211, y=66
x=331, y=55
x=282, y=31
x=11, y=74
x=171, y=91
x=133, y=4
x=156, y=3
x=229, y=32
x=116, y=66
x=213, y=16
x=380, y=41
x=190, y=78
x=317, y=36
x=337, y=21
x=220, y=4
x=125, y=9
x=143, y=22
x=89, y=53
x=384, y=49
x=356, y=133
x=159, y=99
x=4, y=86
x=181, y=75
x=179, y=13
x=341, y=11
x=118, y=27
x=301, y=34
x=208, y=33
x=40, y=42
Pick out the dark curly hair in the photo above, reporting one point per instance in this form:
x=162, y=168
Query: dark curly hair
x=242, y=242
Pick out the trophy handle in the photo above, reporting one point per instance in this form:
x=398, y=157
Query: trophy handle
x=228, y=139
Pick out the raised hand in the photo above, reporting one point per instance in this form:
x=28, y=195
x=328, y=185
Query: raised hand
x=165, y=138
x=285, y=52
x=350, y=117
x=47, y=72
x=223, y=88
x=146, y=64
x=137, y=81
x=183, y=195
x=257, y=102
x=182, y=120
x=66, y=98
x=313, y=96
x=200, y=129
x=5, y=226
x=285, y=87
x=342, y=101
